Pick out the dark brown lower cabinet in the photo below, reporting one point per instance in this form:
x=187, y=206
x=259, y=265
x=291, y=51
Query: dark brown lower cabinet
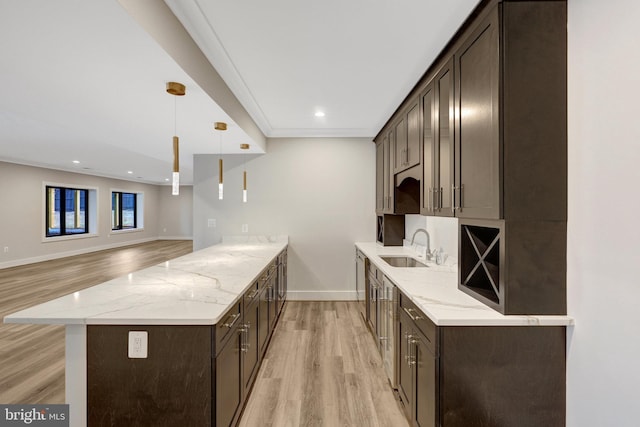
x=480, y=376
x=228, y=393
x=418, y=367
x=197, y=376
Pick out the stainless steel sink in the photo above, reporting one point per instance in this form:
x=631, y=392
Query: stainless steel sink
x=402, y=261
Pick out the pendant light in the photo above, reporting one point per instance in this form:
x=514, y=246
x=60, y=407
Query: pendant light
x=244, y=175
x=175, y=89
x=220, y=126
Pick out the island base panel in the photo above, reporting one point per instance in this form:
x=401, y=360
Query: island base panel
x=171, y=387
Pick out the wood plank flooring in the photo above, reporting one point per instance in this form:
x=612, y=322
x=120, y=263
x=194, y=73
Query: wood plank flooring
x=322, y=369
x=32, y=356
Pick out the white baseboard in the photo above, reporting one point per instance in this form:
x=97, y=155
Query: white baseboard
x=48, y=257
x=321, y=295
x=175, y=238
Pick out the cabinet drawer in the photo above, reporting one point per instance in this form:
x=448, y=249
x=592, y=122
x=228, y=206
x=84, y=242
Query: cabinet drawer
x=252, y=294
x=227, y=325
x=375, y=273
x=421, y=321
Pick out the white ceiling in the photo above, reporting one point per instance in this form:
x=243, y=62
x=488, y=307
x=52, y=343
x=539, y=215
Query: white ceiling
x=83, y=81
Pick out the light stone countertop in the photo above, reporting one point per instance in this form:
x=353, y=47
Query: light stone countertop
x=195, y=289
x=435, y=291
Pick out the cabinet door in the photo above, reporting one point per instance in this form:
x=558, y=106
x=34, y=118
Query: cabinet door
x=477, y=123
x=228, y=380
x=263, y=323
x=413, y=135
x=400, y=158
x=373, y=305
x=428, y=149
x=425, y=371
x=388, y=180
x=405, y=370
x=271, y=289
x=251, y=345
x=444, y=140
x=380, y=178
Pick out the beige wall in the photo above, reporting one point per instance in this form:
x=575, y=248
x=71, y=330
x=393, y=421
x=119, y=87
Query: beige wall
x=319, y=191
x=22, y=214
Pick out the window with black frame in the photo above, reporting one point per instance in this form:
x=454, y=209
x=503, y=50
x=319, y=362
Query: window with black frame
x=123, y=210
x=66, y=211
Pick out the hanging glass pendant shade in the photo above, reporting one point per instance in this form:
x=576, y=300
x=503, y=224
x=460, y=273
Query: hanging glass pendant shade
x=220, y=126
x=175, y=89
x=244, y=175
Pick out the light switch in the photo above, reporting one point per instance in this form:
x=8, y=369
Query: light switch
x=211, y=222
x=245, y=228
x=138, y=344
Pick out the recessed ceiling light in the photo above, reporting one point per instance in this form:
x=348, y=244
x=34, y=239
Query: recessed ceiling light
x=166, y=179
x=319, y=114
x=129, y=172
x=76, y=162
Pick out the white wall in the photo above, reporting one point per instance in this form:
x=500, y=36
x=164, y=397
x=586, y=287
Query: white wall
x=443, y=234
x=319, y=191
x=175, y=216
x=22, y=214
x=603, y=225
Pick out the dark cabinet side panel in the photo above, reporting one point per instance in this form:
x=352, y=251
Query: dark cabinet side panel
x=535, y=111
x=502, y=376
x=172, y=386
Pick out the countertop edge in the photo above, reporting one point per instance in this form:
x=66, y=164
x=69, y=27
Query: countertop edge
x=493, y=318
x=15, y=318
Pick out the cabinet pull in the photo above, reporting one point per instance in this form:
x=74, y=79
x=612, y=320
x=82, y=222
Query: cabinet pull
x=228, y=324
x=412, y=354
x=407, y=357
x=254, y=294
x=407, y=155
x=429, y=199
x=244, y=343
x=409, y=311
x=453, y=199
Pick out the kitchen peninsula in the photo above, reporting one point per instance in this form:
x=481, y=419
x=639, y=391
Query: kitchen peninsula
x=157, y=345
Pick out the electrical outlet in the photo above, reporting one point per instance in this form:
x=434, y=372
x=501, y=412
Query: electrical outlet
x=138, y=344
x=211, y=222
x=245, y=228
x=6, y=249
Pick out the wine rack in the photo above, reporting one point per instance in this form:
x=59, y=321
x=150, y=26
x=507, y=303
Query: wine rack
x=481, y=248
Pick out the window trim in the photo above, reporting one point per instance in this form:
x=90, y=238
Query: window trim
x=139, y=221
x=91, y=209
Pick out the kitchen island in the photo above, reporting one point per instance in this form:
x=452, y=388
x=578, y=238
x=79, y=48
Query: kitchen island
x=182, y=313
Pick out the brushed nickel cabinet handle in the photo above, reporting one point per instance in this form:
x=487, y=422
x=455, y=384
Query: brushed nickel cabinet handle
x=228, y=324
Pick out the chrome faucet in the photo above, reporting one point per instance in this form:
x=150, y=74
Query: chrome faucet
x=426, y=233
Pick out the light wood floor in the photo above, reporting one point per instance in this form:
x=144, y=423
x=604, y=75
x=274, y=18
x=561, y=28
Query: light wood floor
x=32, y=356
x=322, y=369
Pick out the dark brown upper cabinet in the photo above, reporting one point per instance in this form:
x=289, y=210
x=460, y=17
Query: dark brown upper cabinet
x=477, y=137
x=384, y=174
x=427, y=185
x=493, y=117
x=407, y=138
x=444, y=157
x=511, y=113
x=438, y=149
